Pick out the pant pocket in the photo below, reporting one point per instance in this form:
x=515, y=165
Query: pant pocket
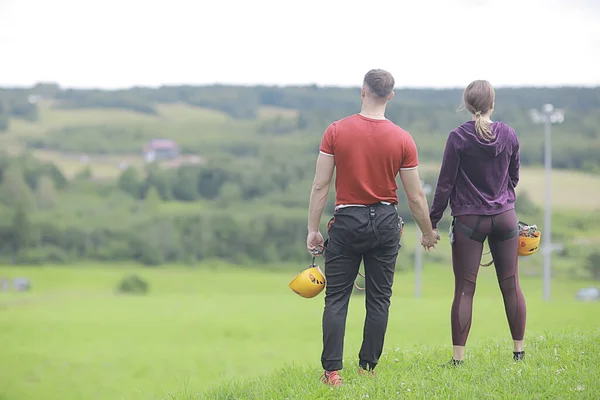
x=344, y=229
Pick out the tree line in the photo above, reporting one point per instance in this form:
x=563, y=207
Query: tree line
x=185, y=215
x=427, y=113
x=219, y=212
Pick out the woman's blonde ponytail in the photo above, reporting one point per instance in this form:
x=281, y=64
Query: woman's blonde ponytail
x=482, y=127
x=478, y=98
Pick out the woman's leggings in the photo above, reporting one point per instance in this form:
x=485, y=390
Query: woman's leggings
x=466, y=258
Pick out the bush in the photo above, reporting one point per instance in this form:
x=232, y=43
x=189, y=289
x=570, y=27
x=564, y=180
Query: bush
x=132, y=284
x=3, y=124
x=593, y=265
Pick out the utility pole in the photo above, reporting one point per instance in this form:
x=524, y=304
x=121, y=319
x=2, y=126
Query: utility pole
x=548, y=116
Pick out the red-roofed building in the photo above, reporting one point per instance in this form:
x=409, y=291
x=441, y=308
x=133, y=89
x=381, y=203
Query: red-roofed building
x=160, y=149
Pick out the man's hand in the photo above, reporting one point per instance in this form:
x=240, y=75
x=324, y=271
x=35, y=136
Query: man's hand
x=314, y=240
x=430, y=240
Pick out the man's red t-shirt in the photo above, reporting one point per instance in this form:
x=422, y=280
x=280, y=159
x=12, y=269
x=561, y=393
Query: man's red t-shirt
x=368, y=153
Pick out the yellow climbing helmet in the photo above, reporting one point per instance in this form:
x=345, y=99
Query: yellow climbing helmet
x=309, y=282
x=529, y=239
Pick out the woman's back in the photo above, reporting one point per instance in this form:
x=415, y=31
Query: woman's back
x=478, y=176
x=485, y=169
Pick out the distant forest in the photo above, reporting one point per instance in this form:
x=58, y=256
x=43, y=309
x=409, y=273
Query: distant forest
x=426, y=113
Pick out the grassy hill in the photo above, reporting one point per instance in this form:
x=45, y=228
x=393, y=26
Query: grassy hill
x=552, y=370
x=225, y=332
x=254, y=114
x=215, y=131
x=205, y=129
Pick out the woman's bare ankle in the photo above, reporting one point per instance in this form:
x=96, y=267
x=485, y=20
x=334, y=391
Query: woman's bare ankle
x=458, y=352
x=518, y=345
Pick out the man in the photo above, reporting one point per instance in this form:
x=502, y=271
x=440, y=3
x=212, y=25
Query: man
x=368, y=151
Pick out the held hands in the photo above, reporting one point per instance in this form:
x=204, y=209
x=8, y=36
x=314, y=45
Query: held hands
x=430, y=239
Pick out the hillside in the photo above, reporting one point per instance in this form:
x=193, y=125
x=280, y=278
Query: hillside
x=213, y=132
x=245, y=121
x=121, y=134
x=75, y=184
x=225, y=332
x=552, y=370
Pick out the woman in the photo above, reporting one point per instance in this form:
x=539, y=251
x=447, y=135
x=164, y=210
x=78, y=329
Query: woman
x=479, y=173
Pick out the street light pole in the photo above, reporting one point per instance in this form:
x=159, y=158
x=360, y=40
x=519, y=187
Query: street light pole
x=548, y=208
x=548, y=116
x=419, y=250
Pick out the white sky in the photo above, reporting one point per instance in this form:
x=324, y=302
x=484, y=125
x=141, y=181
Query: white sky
x=432, y=43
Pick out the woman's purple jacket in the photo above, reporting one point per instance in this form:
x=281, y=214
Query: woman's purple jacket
x=478, y=177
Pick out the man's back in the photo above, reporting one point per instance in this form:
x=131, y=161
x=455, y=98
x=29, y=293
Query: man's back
x=368, y=155
x=367, y=152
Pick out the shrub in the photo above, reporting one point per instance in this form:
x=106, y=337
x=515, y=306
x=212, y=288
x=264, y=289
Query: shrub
x=132, y=284
x=593, y=265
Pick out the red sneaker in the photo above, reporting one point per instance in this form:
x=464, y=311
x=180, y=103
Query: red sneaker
x=331, y=378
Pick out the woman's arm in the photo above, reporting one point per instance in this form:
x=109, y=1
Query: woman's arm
x=446, y=179
x=515, y=160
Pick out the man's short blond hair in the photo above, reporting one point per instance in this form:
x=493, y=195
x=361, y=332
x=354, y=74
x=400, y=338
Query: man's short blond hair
x=380, y=82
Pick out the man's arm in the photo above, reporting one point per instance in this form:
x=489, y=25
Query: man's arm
x=417, y=201
x=320, y=190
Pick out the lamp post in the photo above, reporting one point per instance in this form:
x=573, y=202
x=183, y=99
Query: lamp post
x=419, y=249
x=547, y=116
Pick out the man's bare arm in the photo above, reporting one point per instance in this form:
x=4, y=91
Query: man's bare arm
x=320, y=190
x=417, y=201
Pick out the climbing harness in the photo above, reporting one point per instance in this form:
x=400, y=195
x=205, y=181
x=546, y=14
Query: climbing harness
x=529, y=239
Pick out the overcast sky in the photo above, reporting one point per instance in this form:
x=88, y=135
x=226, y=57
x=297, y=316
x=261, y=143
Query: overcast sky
x=432, y=43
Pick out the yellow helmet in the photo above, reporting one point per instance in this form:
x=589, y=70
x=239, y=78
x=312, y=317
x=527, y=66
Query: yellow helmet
x=529, y=241
x=529, y=244
x=309, y=282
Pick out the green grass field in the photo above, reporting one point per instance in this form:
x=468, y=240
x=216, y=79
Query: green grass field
x=221, y=332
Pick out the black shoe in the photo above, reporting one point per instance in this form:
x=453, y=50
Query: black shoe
x=452, y=363
x=518, y=355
